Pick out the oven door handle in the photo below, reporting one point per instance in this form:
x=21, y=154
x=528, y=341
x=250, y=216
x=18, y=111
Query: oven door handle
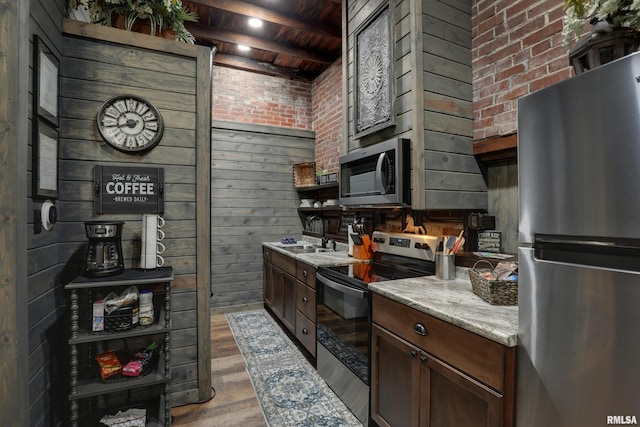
x=359, y=293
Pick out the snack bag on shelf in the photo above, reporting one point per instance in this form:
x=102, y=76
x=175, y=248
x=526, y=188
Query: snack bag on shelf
x=109, y=365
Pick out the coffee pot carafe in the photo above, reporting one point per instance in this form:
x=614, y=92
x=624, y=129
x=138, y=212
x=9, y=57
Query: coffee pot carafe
x=104, y=252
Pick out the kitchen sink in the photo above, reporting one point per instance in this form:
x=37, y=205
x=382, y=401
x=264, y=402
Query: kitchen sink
x=309, y=249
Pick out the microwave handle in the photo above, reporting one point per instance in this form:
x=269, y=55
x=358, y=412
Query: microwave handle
x=381, y=185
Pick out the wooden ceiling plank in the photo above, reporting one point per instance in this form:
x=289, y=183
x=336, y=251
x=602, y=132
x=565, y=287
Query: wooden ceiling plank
x=213, y=34
x=250, y=65
x=250, y=10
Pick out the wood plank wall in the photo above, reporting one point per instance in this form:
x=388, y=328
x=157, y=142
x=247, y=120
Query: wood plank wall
x=453, y=177
x=14, y=198
x=252, y=200
x=102, y=62
x=433, y=81
x=48, y=357
x=502, y=180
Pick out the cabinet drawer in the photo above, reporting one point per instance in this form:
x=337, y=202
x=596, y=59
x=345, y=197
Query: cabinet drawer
x=306, y=273
x=477, y=356
x=306, y=300
x=306, y=332
x=284, y=263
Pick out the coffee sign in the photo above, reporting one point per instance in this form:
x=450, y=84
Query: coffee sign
x=123, y=189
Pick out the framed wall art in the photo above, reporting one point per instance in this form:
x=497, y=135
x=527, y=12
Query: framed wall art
x=374, y=87
x=46, y=81
x=45, y=159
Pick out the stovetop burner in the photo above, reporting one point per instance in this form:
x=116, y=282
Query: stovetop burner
x=381, y=269
x=396, y=256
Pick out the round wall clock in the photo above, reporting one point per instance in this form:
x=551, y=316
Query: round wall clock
x=130, y=124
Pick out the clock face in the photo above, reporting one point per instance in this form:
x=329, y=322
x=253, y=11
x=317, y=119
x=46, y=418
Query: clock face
x=130, y=124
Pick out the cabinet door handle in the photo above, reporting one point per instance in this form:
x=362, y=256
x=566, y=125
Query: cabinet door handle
x=414, y=353
x=423, y=358
x=304, y=331
x=304, y=273
x=304, y=300
x=419, y=329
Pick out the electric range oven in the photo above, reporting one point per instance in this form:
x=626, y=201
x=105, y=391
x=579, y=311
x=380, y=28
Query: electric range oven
x=344, y=311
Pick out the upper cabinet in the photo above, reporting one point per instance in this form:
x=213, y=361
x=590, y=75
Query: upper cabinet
x=408, y=74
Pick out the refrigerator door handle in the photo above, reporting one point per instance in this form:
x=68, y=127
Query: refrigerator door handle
x=616, y=254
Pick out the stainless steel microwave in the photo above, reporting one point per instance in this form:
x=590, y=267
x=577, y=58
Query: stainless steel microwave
x=376, y=175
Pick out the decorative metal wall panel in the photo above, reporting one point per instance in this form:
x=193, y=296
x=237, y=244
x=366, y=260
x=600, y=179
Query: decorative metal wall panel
x=374, y=72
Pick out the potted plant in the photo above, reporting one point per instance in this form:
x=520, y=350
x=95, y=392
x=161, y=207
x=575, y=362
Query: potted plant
x=612, y=13
x=614, y=32
x=160, y=15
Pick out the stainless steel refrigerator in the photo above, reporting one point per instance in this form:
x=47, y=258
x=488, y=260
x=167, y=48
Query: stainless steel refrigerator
x=579, y=253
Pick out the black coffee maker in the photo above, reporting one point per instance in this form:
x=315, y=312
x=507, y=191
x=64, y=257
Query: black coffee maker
x=104, y=252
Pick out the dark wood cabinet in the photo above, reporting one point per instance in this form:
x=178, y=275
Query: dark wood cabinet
x=279, y=286
x=306, y=306
x=415, y=384
x=278, y=292
x=289, y=291
x=452, y=398
x=289, y=301
x=395, y=386
x=268, y=282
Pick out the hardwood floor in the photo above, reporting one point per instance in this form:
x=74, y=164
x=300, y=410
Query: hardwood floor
x=235, y=402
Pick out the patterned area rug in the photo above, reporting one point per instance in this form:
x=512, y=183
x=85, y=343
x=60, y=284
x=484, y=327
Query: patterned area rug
x=289, y=389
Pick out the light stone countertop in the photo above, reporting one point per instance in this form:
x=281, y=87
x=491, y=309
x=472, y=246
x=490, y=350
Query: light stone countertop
x=450, y=300
x=454, y=302
x=321, y=259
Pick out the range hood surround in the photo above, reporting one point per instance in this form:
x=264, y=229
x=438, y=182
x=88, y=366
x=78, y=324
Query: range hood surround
x=433, y=107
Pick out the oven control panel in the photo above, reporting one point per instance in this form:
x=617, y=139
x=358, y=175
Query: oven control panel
x=419, y=246
x=400, y=242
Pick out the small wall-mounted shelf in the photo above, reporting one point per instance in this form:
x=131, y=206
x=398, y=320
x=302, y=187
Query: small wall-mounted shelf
x=330, y=215
x=315, y=188
x=496, y=149
x=322, y=209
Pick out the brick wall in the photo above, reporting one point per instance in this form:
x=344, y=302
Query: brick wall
x=517, y=49
x=327, y=117
x=245, y=97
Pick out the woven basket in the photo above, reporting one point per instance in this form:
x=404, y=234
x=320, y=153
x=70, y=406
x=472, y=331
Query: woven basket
x=304, y=174
x=495, y=292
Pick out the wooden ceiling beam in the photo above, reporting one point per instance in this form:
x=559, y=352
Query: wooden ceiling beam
x=246, y=64
x=250, y=10
x=213, y=34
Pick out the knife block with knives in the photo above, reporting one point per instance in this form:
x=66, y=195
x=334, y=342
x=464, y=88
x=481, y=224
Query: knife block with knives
x=361, y=246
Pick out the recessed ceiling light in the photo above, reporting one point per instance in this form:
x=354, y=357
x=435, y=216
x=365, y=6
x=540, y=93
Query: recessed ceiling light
x=255, y=22
x=243, y=48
